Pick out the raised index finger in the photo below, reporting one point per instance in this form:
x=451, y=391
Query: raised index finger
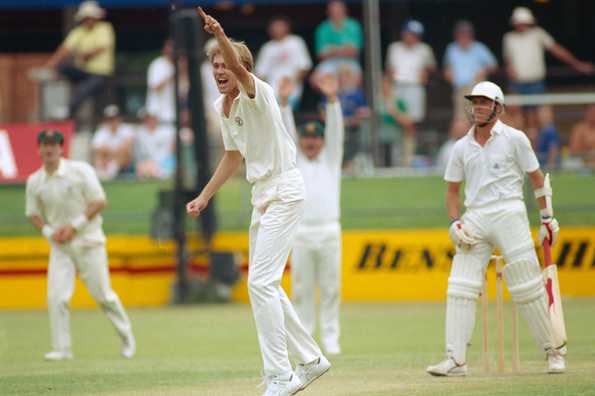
x=201, y=12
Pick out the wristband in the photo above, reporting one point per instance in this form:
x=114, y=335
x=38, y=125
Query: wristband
x=453, y=220
x=47, y=231
x=79, y=222
x=545, y=214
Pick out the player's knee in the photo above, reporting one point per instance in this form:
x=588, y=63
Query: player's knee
x=524, y=281
x=463, y=287
x=56, y=300
x=261, y=286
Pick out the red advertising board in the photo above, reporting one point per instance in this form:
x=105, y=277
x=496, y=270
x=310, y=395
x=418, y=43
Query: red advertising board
x=18, y=148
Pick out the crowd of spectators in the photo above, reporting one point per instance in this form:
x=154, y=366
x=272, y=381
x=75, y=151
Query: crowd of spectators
x=86, y=57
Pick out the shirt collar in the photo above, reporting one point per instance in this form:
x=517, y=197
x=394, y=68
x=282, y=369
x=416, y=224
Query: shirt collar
x=61, y=171
x=496, y=130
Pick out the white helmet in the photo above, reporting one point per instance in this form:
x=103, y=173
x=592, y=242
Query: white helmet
x=489, y=90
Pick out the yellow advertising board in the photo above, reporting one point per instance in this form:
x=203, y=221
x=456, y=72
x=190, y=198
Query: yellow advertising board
x=383, y=265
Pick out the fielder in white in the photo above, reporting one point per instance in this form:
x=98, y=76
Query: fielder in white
x=253, y=131
x=492, y=160
x=64, y=199
x=316, y=256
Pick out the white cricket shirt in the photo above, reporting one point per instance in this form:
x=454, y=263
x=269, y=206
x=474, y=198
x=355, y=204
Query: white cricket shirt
x=255, y=129
x=493, y=173
x=65, y=195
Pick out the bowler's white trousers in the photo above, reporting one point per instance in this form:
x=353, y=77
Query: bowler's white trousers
x=278, y=205
x=316, y=261
x=92, y=265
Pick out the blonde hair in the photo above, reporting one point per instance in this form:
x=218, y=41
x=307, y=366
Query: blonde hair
x=240, y=48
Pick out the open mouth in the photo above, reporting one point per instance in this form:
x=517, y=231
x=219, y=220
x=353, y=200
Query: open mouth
x=222, y=82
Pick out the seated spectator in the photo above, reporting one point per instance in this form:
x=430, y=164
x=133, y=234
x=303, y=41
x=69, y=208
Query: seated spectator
x=582, y=139
x=285, y=55
x=547, y=146
x=91, y=45
x=393, y=121
x=409, y=63
x=154, y=148
x=338, y=42
x=112, y=145
x=458, y=128
x=466, y=62
x=161, y=99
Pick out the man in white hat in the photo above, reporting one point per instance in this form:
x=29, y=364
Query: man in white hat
x=523, y=51
x=91, y=46
x=492, y=160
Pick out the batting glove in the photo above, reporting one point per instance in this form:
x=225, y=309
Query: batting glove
x=549, y=230
x=460, y=236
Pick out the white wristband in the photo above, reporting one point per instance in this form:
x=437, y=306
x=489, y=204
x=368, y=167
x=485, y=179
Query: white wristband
x=47, y=231
x=79, y=222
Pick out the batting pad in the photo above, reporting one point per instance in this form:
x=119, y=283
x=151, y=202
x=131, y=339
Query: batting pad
x=525, y=284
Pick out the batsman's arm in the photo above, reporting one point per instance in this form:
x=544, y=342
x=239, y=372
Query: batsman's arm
x=57, y=57
x=453, y=200
x=537, y=181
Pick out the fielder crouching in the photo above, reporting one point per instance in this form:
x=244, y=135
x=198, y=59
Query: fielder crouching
x=492, y=159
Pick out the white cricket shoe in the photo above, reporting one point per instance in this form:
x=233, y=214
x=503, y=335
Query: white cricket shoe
x=128, y=346
x=308, y=372
x=447, y=368
x=556, y=364
x=55, y=356
x=282, y=385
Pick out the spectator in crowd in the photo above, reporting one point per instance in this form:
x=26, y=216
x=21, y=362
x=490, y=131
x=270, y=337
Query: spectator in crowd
x=409, y=63
x=154, y=148
x=161, y=100
x=394, y=120
x=582, y=138
x=458, y=128
x=285, y=55
x=547, y=146
x=86, y=57
x=355, y=111
x=466, y=62
x=523, y=50
x=338, y=42
x=112, y=145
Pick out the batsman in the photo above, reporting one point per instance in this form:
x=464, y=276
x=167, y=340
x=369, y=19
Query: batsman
x=491, y=160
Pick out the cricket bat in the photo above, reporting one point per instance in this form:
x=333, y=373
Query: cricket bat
x=552, y=288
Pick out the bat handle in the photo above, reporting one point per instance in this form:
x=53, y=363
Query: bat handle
x=547, y=252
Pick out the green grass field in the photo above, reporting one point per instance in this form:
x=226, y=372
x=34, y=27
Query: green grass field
x=212, y=350
x=403, y=202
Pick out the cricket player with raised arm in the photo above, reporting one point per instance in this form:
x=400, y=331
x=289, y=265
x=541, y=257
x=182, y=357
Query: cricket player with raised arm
x=253, y=131
x=63, y=201
x=316, y=255
x=492, y=160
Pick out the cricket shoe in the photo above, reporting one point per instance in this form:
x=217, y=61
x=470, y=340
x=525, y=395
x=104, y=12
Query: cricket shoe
x=556, y=364
x=447, y=368
x=55, y=356
x=308, y=372
x=128, y=346
x=282, y=385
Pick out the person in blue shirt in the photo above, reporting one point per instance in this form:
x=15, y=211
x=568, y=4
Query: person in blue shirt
x=466, y=62
x=547, y=146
